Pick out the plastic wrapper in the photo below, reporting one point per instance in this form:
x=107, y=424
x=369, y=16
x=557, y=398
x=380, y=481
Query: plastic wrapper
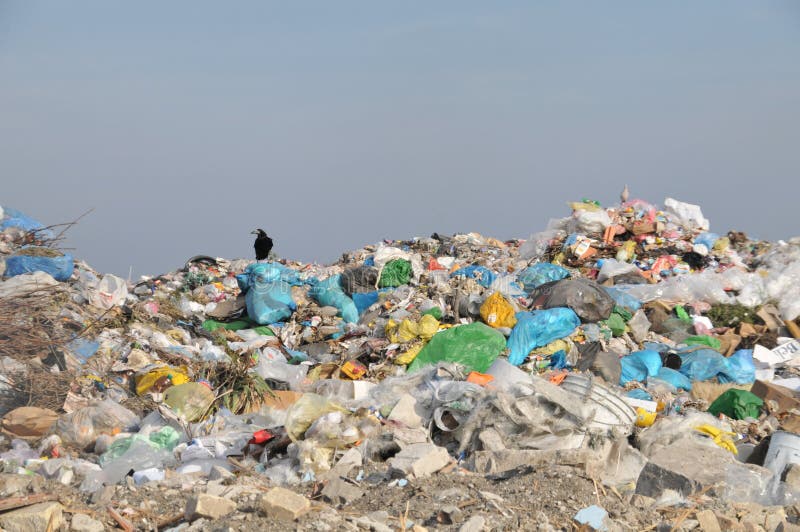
x=475, y=346
x=688, y=215
x=539, y=328
x=83, y=426
x=741, y=368
x=613, y=268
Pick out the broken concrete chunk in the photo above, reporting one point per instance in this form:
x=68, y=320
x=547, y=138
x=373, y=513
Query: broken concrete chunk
x=420, y=460
x=209, y=507
x=35, y=517
x=340, y=492
x=84, y=523
x=404, y=412
x=284, y=504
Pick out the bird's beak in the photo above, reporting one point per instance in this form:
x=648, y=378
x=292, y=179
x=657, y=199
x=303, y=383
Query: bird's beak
x=253, y=232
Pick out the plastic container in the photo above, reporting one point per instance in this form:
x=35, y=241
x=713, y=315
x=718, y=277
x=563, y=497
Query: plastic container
x=784, y=449
x=611, y=410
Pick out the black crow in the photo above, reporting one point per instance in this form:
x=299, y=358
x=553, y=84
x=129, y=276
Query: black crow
x=262, y=245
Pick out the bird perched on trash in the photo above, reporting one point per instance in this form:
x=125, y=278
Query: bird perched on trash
x=262, y=245
x=625, y=194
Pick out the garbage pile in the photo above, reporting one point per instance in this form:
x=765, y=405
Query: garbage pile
x=628, y=342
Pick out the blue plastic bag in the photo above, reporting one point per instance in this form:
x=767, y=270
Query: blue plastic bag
x=703, y=364
x=538, y=328
x=364, y=300
x=741, y=368
x=541, y=273
x=59, y=267
x=707, y=239
x=639, y=366
x=558, y=360
x=623, y=299
x=268, y=298
x=638, y=393
x=267, y=272
x=676, y=379
x=483, y=276
x=15, y=218
x=329, y=293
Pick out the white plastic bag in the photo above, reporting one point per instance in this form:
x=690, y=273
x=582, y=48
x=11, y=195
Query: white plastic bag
x=688, y=215
x=110, y=292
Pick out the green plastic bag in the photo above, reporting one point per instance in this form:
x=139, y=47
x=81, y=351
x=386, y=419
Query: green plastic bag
x=616, y=323
x=396, y=273
x=737, y=404
x=703, y=339
x=164, y=438
x=475, y=345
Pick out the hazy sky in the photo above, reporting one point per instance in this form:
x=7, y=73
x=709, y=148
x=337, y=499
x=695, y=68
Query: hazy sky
x=187, y=124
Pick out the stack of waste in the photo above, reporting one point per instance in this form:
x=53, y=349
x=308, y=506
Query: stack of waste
x=628, y=344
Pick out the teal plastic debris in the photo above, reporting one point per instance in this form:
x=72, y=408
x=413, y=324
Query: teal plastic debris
x=539, y=328
x=329, y=293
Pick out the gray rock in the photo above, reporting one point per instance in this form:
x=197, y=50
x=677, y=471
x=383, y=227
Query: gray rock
x=476, y=523
x=284, y=504
x=338, y=491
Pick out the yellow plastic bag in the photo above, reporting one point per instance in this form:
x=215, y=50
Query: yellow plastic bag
x=190, y=400
x=146, y=381
x=644, y=418
x=496, y=311
x=409, y=356
x=408, y=330
x=552, y=348
x=720, y=437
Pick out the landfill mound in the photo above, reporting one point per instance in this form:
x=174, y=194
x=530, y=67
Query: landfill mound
x=626, y=368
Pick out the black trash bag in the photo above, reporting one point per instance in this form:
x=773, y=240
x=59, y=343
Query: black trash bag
x=601, y=363
x=359, y=280
x=587, y=298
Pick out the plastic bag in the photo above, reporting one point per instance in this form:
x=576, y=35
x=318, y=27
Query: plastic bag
x=360, y=280
x=538, y=243
x=164, y=438
x=623, y=299
x=737, y=404
x=191, y=400
x=741, y=368
x=396, y=273
x=538, y=328
x=483, y=276
x=640, y=365
x=613, y=268
x=60, y=268
x=329, y=292
x=83, y=426
x=583, y=221
x=475, y=346
x=674, y=378
x=685, y=214
x=302, y=414
x=409, y=330
x=703, y=364
x=267, y=295
x=539, y=274
x=496, y=311
x=15, y=218
x=587, y=298
x=146, y=381
x=110, y=291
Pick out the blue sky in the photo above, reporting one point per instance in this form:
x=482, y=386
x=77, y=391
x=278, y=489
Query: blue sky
x=185, y=125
